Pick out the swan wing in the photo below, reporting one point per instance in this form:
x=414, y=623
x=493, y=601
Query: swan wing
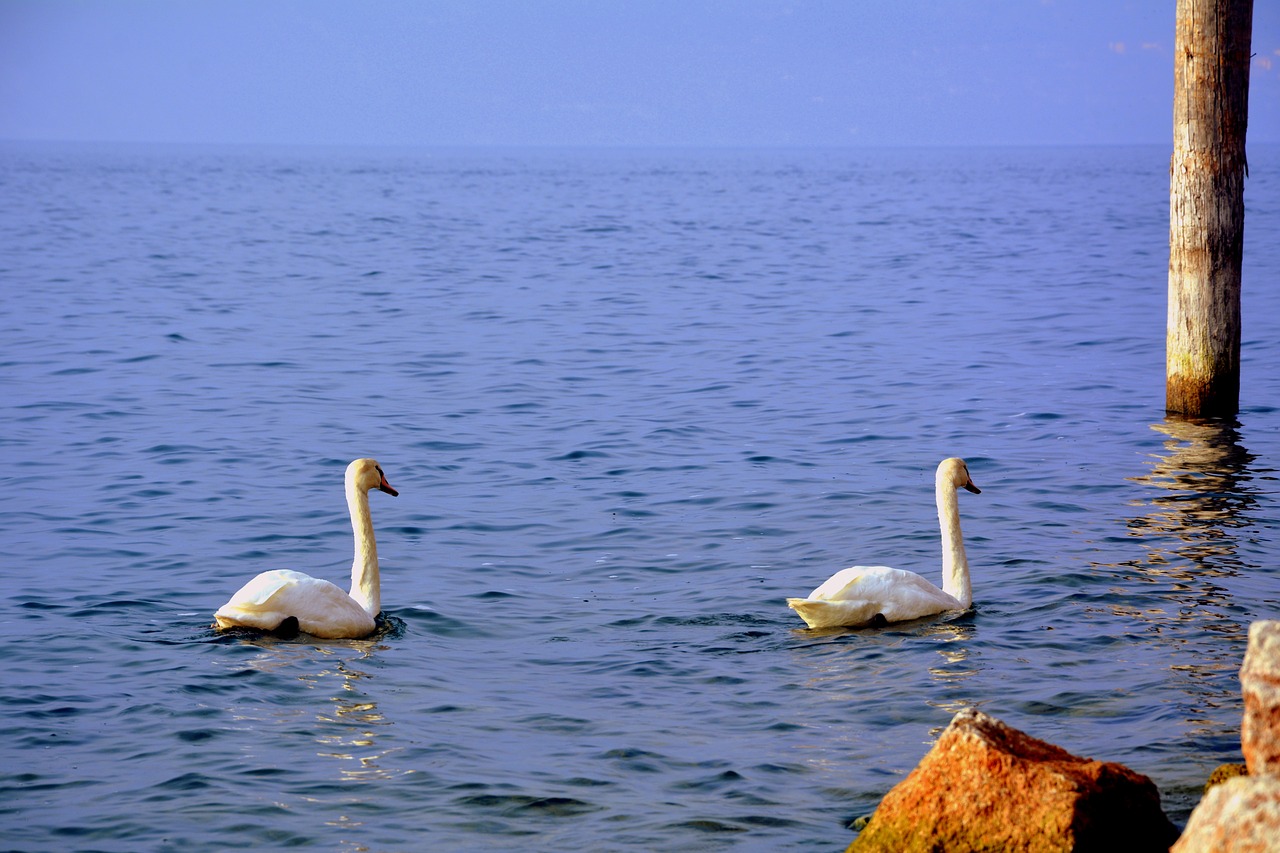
x=322, y=609
x=855, y=596
x=851, y=582
x=261, y=588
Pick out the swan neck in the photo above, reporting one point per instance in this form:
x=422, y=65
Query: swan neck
x=955, y=565
x=365, y=583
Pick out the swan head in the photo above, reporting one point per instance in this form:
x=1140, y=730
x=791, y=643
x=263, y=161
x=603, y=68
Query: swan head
x=955, y=472
x=366, y=474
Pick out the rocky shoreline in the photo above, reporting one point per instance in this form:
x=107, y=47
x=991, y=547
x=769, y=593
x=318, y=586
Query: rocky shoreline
x=985, y=786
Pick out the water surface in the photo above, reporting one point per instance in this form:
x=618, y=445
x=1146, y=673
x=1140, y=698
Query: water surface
x=631, y=401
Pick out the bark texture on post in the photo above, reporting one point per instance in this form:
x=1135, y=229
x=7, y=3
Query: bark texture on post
x=1206, y=206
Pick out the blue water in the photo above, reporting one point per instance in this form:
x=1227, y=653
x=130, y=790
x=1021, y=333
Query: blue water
x=632, y=400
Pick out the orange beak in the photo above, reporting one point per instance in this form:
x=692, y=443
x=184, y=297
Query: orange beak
x=384, y=486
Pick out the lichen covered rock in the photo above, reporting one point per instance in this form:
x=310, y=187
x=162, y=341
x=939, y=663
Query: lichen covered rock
x=988, y=787
x=1242, y=815
x=1260, y=685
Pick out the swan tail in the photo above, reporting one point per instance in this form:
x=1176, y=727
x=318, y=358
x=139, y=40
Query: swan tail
x=817, y=613
x=239, y=617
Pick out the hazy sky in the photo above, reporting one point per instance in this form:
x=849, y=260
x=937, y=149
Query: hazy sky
x=632, y=72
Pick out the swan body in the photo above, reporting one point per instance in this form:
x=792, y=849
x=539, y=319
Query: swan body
x=320, y=608
x=868, y=595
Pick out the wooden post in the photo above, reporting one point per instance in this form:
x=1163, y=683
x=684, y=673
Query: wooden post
x=1206, y=206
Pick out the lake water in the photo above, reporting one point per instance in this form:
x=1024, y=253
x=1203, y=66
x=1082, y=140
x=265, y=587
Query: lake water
x=632, y=400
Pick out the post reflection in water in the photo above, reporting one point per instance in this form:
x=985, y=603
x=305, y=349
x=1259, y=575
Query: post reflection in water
x=1191, y=532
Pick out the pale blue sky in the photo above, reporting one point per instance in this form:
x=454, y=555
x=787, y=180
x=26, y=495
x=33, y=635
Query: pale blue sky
x=618, y=72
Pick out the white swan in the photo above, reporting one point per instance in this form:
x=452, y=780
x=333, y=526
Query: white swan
x=867, y=595
x=319, y=607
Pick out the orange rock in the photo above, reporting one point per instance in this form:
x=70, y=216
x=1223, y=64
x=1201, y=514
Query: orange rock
x=988, y=787
x=1260, y=685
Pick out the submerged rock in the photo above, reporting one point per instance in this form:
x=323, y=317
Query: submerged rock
x=1223, y=772
x=986, y=786
x=1260, y=684
x=1242, y=815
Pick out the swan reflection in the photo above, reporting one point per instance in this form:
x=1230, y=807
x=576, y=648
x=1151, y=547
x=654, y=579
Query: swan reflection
x=348, y=725
x=840, y=672
x=355, y=721
x=954, y=651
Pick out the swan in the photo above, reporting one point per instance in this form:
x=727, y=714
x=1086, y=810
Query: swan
x=288, y=601
x=870, y=595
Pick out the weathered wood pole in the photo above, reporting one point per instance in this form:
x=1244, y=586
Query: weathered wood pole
x=1206, y=206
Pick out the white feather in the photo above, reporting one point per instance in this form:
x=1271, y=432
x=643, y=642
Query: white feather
x=322, y=608
x=862, y=595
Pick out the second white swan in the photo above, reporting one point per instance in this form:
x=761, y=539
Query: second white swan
x=869, y=595
x=282, y=597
